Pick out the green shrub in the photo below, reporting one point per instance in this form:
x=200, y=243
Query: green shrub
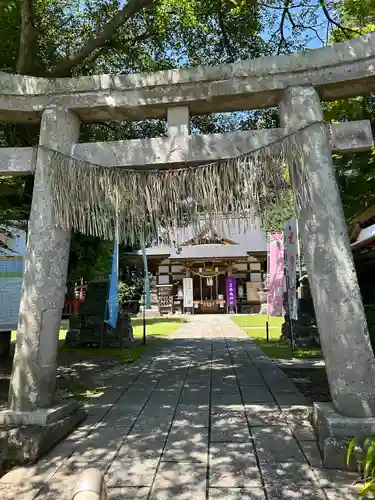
x=367, y=461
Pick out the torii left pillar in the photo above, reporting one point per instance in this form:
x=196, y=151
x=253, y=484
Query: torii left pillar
x=33, y=380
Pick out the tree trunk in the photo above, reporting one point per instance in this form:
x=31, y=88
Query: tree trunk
x=28, y=39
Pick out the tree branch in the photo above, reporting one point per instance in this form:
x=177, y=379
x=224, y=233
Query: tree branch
x=282, y=36
x=129, y=42
x=28, y=39
x=346, y=30
x=226, y=40
x=65, y=67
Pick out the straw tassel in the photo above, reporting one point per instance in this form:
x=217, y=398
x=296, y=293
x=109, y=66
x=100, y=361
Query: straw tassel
x=153, y=203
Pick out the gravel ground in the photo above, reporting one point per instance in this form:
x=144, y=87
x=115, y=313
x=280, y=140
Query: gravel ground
x=312, y=382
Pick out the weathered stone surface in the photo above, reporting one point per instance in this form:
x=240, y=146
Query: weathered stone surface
x=180, y=481
x=338, y=71
x=335, y=432
x=24, y=445
x=132, y=472
x=129, y=493
x=233, y=465
x=11, y=418
x=33, y=378
x=236, y=494
x=186, y=445
x=129, y=439
x=334, y=287
x=92, y=331
x=277, y=443
x=305, y=330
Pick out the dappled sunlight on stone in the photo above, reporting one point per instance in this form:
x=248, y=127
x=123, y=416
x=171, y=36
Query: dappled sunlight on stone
x=196, y=416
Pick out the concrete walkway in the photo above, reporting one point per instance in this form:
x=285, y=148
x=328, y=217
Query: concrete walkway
x=206, y=416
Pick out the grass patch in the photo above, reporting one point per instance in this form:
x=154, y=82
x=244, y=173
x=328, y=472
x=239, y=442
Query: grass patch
x=82, y=393
x=255, y=327
x=156, y=328
x=64, y=325
x=256, y=321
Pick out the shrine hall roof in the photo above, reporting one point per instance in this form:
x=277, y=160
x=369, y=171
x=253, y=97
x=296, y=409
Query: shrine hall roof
x=233, y=230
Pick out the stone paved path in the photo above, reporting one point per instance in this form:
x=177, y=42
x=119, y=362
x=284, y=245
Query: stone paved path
x=205, y=417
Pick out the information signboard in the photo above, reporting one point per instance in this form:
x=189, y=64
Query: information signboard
x=11, y=275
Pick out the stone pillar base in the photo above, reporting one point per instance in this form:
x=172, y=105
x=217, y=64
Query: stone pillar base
x=26, y=436
x=335, y=431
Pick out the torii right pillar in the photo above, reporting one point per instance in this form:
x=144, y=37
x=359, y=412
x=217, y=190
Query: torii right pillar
x=340, y=315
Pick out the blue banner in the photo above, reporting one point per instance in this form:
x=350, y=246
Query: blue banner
x=146, y=279
x=112, y=303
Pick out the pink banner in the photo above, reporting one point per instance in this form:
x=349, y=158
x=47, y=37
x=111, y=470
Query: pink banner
x=275, y=274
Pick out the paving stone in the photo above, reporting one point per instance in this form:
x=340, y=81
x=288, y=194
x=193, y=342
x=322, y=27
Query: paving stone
x=257, y=395
x=289, y=493
x=127, y=429
x=191, y=396
x=169, y=398
x=116, y=419
x=225, y=389
x=180, y=481
x=286, y=399
x=341, y=494
x=129, y=410
x=264, y=415
x=110, y=396
x=18, y=492
x=186, y=445
x=33, y=476
x=225, y=399
x=312, y=453
x=138, y=447
x=155, y=409
x=303, y=430
x=229, y=428
x=218, y=381
x=276, y=443
x=291, y=474
x=97, y=409
x=130, y=493
x=61, y=451
x=233, y=465
x=236, y=494
x=133, y=472
x=192, y=415
x=250, y=379
x=147, y=425
x=297, y=413
x=134, y=396
x=334, y=479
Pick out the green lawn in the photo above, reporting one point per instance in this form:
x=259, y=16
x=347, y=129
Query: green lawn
x=256, y=321
x=156, y=328
x=255, y=327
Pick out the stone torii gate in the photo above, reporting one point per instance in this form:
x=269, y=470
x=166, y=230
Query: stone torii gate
x=295, y=83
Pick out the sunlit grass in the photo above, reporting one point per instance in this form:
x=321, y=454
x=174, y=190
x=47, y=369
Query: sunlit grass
x=255, y=327
x=156, y=328
x=256, y=320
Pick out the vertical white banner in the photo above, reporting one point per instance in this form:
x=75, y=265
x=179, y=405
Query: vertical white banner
x=290, y=238
x=188, y=292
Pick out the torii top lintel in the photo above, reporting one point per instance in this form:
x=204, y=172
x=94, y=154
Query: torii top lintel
x=338, y=71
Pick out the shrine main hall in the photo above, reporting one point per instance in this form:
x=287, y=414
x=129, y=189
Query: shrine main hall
x=209, y=254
